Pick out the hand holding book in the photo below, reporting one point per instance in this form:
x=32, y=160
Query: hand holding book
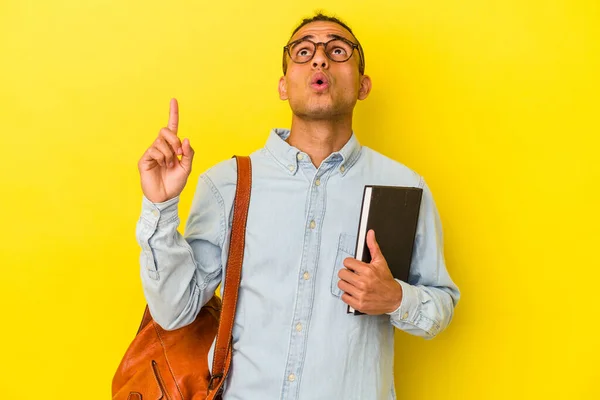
x=393, y=212
x=370, y=287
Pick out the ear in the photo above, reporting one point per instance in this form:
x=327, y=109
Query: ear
x=283, y=88
x=365, y=87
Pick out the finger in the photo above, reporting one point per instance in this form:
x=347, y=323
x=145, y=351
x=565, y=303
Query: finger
x=188, y=155
x=153, y=155
x=348, y=276
x=373, y=246
x=348, y=288
x=161, y=145
x=356, y=266
x=173, y=116
x=359, y=283
x=146, y=162
x=352, y=278
x=171, y=138
x=351, y=301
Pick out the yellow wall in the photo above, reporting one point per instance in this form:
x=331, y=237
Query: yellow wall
x=492, y=102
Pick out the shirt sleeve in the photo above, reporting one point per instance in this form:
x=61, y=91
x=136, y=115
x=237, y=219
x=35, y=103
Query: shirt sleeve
x=181, y=272
x=428, y=300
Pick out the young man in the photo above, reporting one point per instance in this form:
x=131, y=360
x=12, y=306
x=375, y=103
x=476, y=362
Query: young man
x=292, y=337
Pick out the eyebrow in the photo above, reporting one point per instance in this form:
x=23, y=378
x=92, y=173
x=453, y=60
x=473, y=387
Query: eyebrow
x=331, y=36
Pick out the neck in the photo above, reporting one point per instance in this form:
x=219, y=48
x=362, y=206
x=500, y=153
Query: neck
x=319, y=138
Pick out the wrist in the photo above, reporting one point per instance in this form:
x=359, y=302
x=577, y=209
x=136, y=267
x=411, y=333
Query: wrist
x=396, y=297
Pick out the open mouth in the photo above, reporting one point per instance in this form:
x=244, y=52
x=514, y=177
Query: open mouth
x=319, y=82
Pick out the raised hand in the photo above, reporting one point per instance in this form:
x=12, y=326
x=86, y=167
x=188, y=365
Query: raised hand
x=163, y=175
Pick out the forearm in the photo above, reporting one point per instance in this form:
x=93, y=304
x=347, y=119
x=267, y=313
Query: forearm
x=425, y=311
x=175, y=284
x=429, y=300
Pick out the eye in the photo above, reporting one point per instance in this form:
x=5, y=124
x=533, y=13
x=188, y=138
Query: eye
x=339, y=50
x=302, y=51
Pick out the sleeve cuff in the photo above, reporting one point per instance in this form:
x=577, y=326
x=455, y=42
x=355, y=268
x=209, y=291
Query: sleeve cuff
x=408, y=309
x=156, y=213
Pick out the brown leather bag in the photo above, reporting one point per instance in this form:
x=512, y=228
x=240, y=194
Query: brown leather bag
x=170, y=365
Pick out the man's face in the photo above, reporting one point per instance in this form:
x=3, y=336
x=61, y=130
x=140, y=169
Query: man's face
x=322, y=89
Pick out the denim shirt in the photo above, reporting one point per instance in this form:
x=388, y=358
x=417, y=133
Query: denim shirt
x=292, y=336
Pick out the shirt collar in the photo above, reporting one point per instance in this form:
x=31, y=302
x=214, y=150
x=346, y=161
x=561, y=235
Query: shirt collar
x=287, y=156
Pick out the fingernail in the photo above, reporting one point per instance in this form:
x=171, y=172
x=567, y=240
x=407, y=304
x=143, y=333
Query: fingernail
x=171, y=164
x=179, y=151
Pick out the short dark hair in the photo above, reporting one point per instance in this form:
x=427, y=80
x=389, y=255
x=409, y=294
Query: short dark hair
x=326, y=18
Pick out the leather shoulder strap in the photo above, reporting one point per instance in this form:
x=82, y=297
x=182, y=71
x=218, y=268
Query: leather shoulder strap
x=234, y=269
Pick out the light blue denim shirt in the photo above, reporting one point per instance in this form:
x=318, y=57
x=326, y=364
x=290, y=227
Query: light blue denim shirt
x=292, y=337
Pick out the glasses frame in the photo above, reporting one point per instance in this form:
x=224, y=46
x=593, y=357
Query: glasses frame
x=355, y=46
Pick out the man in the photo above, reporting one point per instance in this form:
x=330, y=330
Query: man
x=292, y=337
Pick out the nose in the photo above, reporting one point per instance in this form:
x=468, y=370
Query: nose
x=320, y=59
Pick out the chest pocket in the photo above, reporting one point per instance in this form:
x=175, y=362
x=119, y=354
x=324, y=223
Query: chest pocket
x=346, y=248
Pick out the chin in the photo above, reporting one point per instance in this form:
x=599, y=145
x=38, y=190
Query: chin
x=316, y=114
x=314, y=111
x=321, y=112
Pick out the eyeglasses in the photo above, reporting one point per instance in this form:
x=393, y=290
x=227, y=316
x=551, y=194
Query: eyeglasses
x=338, y=50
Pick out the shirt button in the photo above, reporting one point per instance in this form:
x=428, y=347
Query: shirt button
x=291, y=167
x=299, y=327
x=342, y=168
x=292, y=378
x=405, y=315
x=155, y=213
x=318, y=182
x=306, y=276
x=300, y=156
x=313, y=224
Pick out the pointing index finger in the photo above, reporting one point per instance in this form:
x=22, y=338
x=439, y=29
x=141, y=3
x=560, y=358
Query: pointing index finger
x=173, y=116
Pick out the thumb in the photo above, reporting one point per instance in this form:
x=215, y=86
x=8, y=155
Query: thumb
x=373, y=246
x=187, y=156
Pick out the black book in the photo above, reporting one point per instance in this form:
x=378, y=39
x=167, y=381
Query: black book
x=392, y=212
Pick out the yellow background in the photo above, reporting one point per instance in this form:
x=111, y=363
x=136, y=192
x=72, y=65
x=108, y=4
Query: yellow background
x=494, y=102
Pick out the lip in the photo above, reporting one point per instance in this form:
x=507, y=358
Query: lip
x=314, y=82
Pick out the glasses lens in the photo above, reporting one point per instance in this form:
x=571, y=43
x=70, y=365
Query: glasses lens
x=339, y=50
x=302, y=51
